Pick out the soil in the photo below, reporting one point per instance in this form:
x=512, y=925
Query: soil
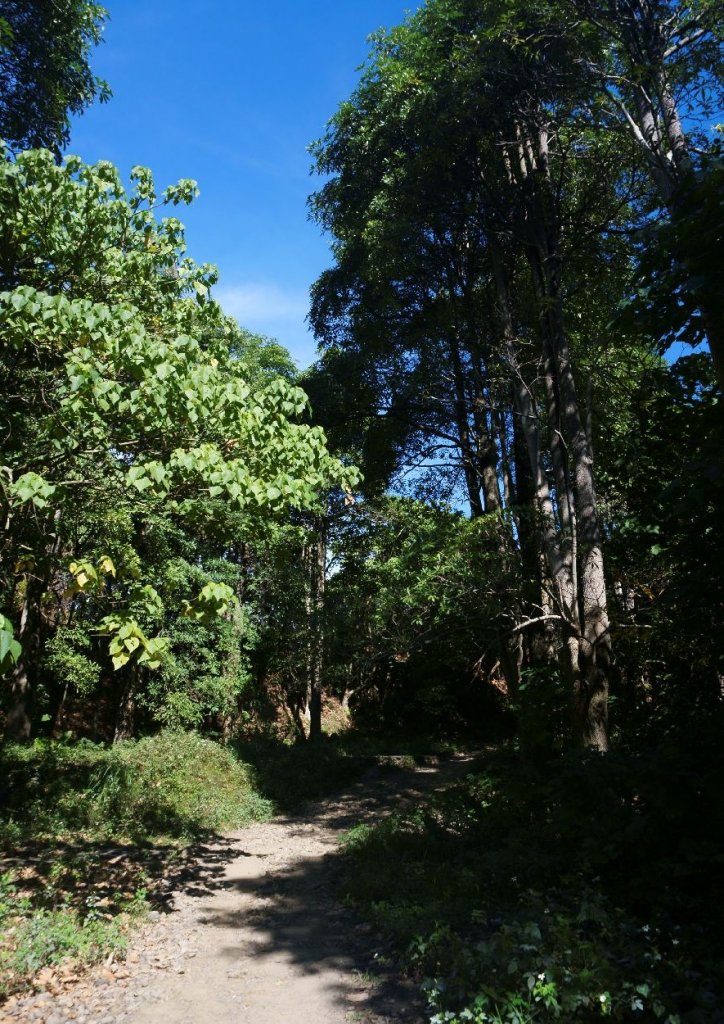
x=253, y=932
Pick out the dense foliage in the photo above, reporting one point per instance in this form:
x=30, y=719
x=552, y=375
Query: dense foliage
x=137, y=428
x=45, y=73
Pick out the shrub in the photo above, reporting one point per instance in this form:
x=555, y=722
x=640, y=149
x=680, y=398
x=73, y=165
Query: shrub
x=176, y=784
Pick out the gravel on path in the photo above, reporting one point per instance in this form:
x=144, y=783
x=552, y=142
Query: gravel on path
x=254, y=934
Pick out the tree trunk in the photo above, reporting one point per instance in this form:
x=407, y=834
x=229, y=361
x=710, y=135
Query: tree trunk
x=126, y=707
x=590, y=651
x=470, y=469
x=317, y=564
x=587, y=650
x=18, y=725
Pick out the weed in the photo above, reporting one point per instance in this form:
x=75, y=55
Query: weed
x=77, y=903
x=570, y=892
x=35, y=937
x=173, y=785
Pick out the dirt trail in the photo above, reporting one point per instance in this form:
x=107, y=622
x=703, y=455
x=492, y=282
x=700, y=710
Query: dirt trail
x=255, y=935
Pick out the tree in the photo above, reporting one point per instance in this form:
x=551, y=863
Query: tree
x=658, y=67
x=45, y=76
x=466, y=202
x=125, y=391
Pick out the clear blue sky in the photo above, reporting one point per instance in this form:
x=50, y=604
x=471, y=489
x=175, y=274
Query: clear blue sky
x=231, y=94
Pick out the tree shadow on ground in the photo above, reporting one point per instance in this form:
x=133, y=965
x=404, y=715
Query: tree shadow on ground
x=302, y=924
x=97, y=877
x=299, y=920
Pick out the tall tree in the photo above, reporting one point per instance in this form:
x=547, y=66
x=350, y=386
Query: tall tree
x=467, y=207
x=124, y=390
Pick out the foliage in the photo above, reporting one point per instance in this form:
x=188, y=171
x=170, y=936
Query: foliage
x=417, y=600
x=524, y=896
x=130, y=403
x=45, y=76
x=524, y=215
x=173, y=784
x=39, y=935
x=291, y=774
x=9, y=646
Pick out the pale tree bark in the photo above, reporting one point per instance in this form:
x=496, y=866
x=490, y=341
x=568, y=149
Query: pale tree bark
x=581, y=580
x=315, y=557
x=538, y=534
x=649, y=36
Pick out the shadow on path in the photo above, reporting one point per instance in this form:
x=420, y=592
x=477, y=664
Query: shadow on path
x=289, y=917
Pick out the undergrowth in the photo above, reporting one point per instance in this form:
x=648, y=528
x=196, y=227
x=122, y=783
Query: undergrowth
x=96, y=822
x=45, y=937
x=591, y=888
x=291, y=774
x=71, y=891
x=173, y=786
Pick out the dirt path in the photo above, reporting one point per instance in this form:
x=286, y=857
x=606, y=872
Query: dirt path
x=254, y=934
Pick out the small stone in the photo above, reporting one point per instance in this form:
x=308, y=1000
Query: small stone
x=154, y=915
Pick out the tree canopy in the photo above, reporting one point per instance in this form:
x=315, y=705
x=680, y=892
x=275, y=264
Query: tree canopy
x=45, y=72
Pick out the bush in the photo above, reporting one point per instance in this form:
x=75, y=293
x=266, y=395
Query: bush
x=588, y=888
x=174, y=784
x=73, y=906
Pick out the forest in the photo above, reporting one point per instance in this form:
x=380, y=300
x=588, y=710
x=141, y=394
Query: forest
x=486, y=521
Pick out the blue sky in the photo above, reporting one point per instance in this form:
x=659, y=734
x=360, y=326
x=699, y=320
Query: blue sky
x=231, y=94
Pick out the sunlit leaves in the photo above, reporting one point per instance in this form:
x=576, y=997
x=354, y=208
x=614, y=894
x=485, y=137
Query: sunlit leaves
x=128, y=641
x=130, y=389
x=31, y=487
x=215, y=599
x=10, y=649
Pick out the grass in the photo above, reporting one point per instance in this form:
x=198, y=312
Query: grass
x=44, y=939
x=589, y=888
x=90, y=835
x=170, y=786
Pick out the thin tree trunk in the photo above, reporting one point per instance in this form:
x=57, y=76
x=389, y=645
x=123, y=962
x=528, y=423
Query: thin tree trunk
x=317, y=573
x=18, y=724
x=126, y=707
x=472, y=479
